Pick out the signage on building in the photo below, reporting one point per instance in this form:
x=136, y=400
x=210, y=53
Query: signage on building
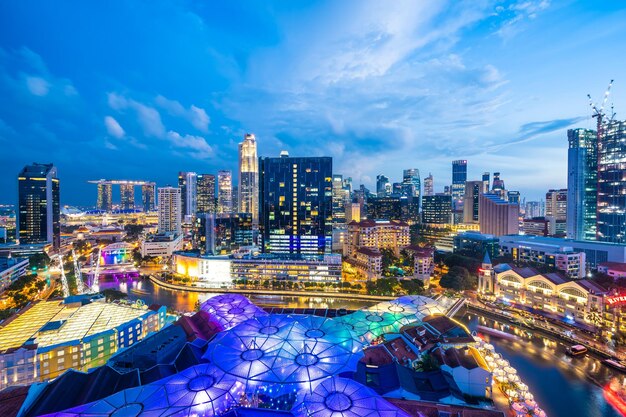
x=616, y=300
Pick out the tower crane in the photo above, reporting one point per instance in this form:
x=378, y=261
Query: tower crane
x=598, y=112
x=80, y=286
x=64, y=284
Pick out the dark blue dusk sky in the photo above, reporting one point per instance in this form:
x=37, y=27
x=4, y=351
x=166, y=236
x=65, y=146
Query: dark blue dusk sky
x=144, y=89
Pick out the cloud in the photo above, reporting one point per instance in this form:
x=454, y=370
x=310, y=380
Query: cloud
x=37, y=86
x=148, y=117
x=532, y=130
x=196, y=146
x=516, y=14
x=194, y=115
x=113, y=127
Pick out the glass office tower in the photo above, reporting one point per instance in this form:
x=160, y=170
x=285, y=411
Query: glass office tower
x=205, y=193
x=611, y=210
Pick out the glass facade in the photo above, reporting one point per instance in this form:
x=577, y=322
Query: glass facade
x=224, y=192
x=148, y=193
x=127, y=196
x=459, y=176
x=611, y=209
x=187, y=182
x=437, y=209
x=39, y=207
x=223, y=233
x=248, y=190
x=296, y=209
x=205, y=185
x=105, y=201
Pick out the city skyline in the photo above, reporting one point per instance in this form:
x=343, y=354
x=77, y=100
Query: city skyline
x=466, y=81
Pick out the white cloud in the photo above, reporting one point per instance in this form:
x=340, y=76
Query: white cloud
x=197, y=146
x=113, y=127
x=37, y=86
x=148, y=117
x=194, y=115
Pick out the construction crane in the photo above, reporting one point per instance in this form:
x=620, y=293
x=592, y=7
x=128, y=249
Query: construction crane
x=598, y=112
x=80, y=286
x=64, y=284
x=94, y=281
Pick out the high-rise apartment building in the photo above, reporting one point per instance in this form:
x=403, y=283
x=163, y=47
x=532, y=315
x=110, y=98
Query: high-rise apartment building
x=556, y=204
x=248, y=189
x=383, y=186
x=473, y=189
x=224, y=192
x=582, y=184
x=429, y=185
x=496, y=216
x=105, y=197
x=437, y=210
x=148, y=194
x=39, y=209
x=127, y=194
x=459, y=176
x=170, y=208
x=205, y=193
x=296, y=204
x=611, y=209
x=188, y=184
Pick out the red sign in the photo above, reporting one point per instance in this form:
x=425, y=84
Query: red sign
x=618, y=299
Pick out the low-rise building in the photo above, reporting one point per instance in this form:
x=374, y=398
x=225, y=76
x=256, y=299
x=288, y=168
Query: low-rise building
x=162, y=244
x=613, y=269
x=476, y=244
x=11, y=269
x=468, y=369
x=368, y=262
x=378, y=235
x=423, y=263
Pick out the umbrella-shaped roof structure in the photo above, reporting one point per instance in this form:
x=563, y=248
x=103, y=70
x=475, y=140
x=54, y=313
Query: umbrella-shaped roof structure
x=199, y=390
x=341, y=397
x=367, y=325
x=231, y=309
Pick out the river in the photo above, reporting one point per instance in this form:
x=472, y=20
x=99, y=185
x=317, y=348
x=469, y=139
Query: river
x=559, y=383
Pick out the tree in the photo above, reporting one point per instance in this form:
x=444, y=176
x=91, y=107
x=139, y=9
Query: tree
x=458, y=278
x=39, y=260
x=412, y=286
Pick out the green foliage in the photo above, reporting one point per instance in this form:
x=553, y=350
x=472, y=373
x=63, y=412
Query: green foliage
x=427, y=363
x=466, y=262
x=39, y=260
x=459, y=279
x=113, y=295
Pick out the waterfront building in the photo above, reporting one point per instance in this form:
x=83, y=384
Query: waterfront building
x=553, y=292
x=148, y=195
x=220, y=271
x=377, y=235
x=80, y=332
x=459, y=176
x=383, y=187
x=476, y=244
x=39, y=210
x=556, y=204
x=429, y=185
x=223, y=233
x=224, y=191
x=437, y=210
x=188, y=185
x=582, y=184
x=161, y=244
x=170, y=210
x=367, y=262
x=467, y=368
x=473, y=190
x=611, y=208
x=11, y=269
x=105, y=197
x=296, y=209
x=496, y=216
x=205, y=193
x=248, y=188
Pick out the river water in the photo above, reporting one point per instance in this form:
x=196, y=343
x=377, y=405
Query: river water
x=561, y=385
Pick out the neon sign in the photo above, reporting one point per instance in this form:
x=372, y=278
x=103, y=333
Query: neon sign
x=618, y=299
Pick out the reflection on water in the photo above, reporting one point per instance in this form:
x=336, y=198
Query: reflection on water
x=562, y=385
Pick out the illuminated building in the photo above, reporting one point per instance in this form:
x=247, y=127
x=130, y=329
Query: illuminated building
x=169, y=210
x=162, y=244
x=556, y=204
x=429, y=185
x=534, y=209
x=437, y=210
x=582, y=183
x=205, y=193
x=127, y=196
x=497, y=216
x=377, y=235
x=536, y=226
x=459, y=176
x=554, y=293
x=105, y=197
x=384, y=208
x=423, y=263
x=411, y=183
x=498, y=186
x=223, y=233
x=353, y=212
x=611, y=209
x=187, y=183
x=296, y=204
x=117, y=254
x=368, y=262
x=476, y=244
x=473, y=189
x=148, y=195
x=11, y=269
x=513, y=197
x=486, y=183
x=341, y=197
x=224, y=192
x=39, y=210
x=248, y=190
x=613, y=269
x=383, y=187
x=50, y=337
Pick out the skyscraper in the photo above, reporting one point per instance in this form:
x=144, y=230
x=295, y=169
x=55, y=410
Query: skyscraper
x=105, y=194
x=147, y=197
x=383, y=187
x=459, y=176
x=127, y=194
x=248, y=191
x=556, y=204
x=486, y=183
x=496, y=216
x=188, y=184
x=437, y=210
x=411, y=183
x=611, y=209
x=429, y=185
x=582, y=183
x=39, y=211
x=341, y=197
x=296, y=204
x=224, y=192
x=473, y=190
x=205, y=193
x=169, y=210
x=498, y=186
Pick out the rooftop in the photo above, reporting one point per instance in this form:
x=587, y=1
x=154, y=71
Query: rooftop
x=614, y=266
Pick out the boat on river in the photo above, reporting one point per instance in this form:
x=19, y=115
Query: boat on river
x=576, y=350
x=615, y=364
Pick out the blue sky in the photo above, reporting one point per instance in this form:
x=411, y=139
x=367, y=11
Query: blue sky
x=144, y=89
